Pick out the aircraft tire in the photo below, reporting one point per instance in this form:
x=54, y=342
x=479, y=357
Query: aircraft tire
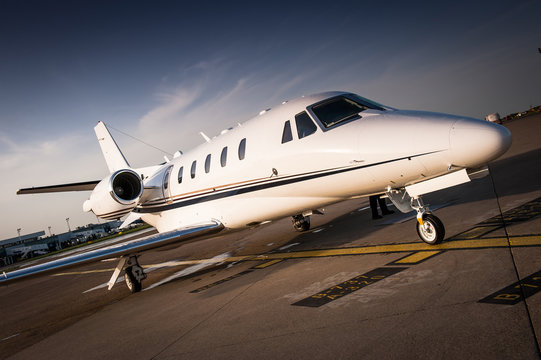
x=131, y=282
x=434, y=231
x=301, y=224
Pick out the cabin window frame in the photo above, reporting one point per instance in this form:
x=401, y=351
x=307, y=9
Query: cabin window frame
x=180, y=174
x=242, y=149
x=207, y=163
x=193, y=169
x=223, y=157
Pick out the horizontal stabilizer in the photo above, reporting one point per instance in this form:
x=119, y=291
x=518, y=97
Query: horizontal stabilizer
x=80, y=186
x=118, y=249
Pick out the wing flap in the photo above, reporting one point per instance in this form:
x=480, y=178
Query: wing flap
x=79, y=186
x=125, y=248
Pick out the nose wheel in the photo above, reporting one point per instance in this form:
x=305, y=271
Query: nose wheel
x=429, y=227
x=431, y=231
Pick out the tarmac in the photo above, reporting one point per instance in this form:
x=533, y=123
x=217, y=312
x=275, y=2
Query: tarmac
x=350, y=288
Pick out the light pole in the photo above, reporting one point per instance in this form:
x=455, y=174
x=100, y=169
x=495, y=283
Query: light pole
x=68, y=222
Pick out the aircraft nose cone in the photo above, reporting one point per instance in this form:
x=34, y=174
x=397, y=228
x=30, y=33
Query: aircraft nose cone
x=476, y=142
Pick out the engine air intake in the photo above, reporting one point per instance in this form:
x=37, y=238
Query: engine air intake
x=126, y=186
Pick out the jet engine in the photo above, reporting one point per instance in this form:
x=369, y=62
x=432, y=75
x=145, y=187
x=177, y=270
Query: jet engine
x=116, y=195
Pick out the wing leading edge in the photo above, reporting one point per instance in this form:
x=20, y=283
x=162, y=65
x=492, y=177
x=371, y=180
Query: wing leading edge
x=125, y=248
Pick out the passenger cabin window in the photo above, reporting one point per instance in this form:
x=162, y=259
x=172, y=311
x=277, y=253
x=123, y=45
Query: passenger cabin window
x=192, y=172
x=242, y=149
x=180, y=171
x=342, y=109
x=207, y=164
x=223, y=157
x=286, y=134
x=305, y=125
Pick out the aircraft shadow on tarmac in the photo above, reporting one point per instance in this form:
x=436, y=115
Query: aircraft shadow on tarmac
x=503, y=175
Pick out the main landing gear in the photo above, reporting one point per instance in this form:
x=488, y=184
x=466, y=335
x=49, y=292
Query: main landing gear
x=301, y=223
x=429, y=227
x=133, y=273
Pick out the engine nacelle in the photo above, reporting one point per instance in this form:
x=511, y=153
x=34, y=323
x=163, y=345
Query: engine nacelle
x=116, y=195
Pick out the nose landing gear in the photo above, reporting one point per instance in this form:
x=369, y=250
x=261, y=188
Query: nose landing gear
x=429, y=227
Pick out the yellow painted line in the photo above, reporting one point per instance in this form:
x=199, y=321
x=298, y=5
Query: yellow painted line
x=476, y=232
x=499, y=242
x=528, y=240
x=268, y=263
x=417, y=257
x=525, y=240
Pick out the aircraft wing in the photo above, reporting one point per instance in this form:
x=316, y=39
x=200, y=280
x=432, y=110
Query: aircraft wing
x=125, y=248
x=80, y=186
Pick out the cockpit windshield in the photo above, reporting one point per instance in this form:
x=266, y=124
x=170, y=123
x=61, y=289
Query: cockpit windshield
x=343, y=108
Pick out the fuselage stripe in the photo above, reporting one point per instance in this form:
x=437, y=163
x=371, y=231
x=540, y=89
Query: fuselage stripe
x=261, y=185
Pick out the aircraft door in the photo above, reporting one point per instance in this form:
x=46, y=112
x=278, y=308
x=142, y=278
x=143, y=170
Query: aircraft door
x=166, y=188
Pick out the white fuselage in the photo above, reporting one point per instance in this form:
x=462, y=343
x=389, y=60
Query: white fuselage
x=383, y=149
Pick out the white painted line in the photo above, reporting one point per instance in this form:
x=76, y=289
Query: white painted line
x=288, y=246
x=10, y=337
x=190, y=270
x=147, y=270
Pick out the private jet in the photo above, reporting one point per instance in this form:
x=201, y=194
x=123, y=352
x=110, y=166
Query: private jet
x=289, y=161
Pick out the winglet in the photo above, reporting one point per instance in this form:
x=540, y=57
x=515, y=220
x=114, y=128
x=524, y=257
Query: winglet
x=113, y=156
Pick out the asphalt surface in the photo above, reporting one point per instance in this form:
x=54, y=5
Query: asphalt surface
x=350, y=288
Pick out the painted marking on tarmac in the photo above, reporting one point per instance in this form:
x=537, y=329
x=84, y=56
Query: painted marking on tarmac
x=416, y=258
x=349, y=286
x=267, y=264
x=219, y=259
x=10, y=337
x=516, y=292
x=487, y=243
x=288, y=246
x=477, y=232
x=203, y=288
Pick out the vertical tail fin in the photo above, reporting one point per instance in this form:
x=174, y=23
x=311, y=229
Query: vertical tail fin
x=113, y=156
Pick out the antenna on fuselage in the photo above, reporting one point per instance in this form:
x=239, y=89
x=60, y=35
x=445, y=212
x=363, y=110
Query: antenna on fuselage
x=207, y=139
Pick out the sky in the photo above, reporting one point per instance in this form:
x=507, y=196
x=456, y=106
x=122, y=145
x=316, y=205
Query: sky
x=162, y=71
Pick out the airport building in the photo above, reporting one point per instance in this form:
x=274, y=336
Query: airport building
x=27, y=246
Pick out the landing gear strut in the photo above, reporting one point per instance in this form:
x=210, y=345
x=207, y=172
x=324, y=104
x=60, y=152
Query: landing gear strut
x=301, y=223
x=133, y=273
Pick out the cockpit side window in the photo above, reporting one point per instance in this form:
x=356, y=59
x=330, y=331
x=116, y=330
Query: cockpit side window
x=305, y=125
x=286, y=134
x=342, y=109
